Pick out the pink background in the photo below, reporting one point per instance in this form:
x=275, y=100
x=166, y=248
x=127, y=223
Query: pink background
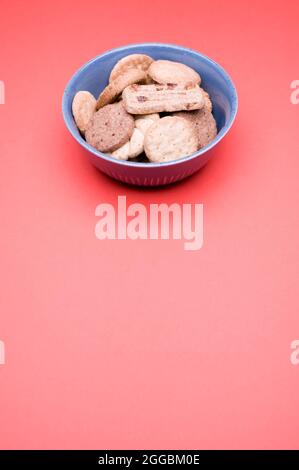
x=123, y=344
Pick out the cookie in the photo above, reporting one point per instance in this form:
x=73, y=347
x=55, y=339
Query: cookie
x=114, y=89
x=166, y=71
x=170, y=138
x=132, y=61
x=144, y=121
x=204, y=124
x=83, y=107
x=110, y=128
x=148, y=99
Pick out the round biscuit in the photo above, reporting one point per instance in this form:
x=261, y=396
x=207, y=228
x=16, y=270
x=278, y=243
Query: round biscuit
x=203, y=122
x=132, y=61
x=170, y=138
x=167, y=71
x=110, y=128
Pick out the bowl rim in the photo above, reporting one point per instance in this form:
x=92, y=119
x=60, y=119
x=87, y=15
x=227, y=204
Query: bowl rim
x=128, y=163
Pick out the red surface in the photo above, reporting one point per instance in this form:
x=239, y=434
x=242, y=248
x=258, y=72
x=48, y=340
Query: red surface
x=140, y=344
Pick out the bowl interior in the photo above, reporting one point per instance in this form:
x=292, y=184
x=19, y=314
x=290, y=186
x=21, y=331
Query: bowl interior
x=94, y=76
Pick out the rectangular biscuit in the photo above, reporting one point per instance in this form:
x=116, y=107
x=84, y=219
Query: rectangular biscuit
x=156, y=98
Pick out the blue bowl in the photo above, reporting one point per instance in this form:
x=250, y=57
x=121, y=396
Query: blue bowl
x=93, y=76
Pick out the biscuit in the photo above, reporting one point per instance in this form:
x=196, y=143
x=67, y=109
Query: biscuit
x=148, y=99
x=132, y=61
x=110, y=128
x=144, y=121
x=83, y=107
x=204, y=124
x=114, y=89
x=170, y=138
x=167, y=71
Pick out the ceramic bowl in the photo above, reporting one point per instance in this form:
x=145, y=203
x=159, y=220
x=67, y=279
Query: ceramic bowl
x=93, y=76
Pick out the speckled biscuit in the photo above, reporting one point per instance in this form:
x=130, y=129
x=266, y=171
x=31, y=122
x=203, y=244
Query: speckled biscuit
x=148, y=99
x=132, y=61
x=144, y=121
x=203, y=123
x=167, y=71
x=170, y=138
x=114, y=89
x=83, y=107
x=110, y=128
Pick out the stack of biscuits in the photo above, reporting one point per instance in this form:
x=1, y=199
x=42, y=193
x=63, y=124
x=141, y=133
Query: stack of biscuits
x=151, y=111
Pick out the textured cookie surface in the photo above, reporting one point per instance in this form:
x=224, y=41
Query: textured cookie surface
x=110, y=128
x=114, y=89
x=83, y=108
x=132, y=61
x=204, y=124
x=147, y=99
x=170, y=138
x=166, y=71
